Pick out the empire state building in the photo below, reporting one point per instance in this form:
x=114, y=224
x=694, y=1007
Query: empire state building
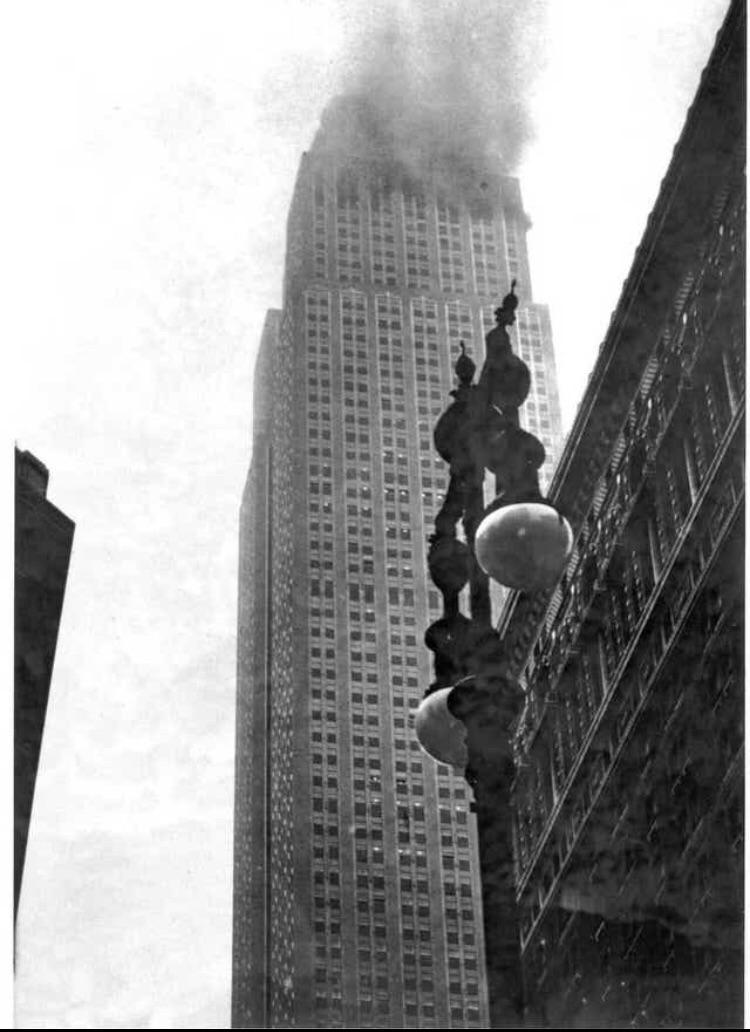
x=357, y=900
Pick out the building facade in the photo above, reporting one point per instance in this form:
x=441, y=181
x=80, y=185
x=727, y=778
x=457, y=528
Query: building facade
x=357, y=900
x=629, y=793
x=43, y=543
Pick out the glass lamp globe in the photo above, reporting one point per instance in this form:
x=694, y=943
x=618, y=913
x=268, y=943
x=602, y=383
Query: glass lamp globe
x=439, y=733
x=524, y=545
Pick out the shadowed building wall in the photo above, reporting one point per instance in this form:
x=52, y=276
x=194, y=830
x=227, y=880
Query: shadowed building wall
x=43, y=542
x=629, y=786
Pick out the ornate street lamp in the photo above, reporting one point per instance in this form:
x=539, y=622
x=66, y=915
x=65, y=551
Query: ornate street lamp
x=522, y=542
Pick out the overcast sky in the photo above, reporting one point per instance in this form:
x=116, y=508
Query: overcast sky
x=154, y=150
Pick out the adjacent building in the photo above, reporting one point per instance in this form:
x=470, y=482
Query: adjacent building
x=356, y=893
x=43, y=543
x=629, y=792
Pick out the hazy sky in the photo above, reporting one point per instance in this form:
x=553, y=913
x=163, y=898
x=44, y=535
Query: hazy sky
x=154, y=148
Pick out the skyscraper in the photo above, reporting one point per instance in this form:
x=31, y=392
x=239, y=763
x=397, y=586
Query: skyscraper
x=357, y=900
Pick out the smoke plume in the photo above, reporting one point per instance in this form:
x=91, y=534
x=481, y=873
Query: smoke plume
x=445, y=84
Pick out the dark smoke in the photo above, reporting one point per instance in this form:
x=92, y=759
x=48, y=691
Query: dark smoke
x=445, y=84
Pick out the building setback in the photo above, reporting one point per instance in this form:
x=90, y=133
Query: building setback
x=356, y=894
x=43, y=542
x=629, y=785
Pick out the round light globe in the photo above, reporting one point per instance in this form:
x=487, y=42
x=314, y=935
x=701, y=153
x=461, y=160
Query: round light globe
x=524, y=546
x=440, y=734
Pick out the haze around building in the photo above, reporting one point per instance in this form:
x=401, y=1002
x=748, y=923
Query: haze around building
x=446, y=84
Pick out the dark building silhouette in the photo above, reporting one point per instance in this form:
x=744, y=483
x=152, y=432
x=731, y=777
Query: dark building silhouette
x=629, y=780
x=43, y=542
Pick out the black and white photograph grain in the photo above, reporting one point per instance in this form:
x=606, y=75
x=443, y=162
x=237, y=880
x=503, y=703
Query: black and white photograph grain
x=377, y=440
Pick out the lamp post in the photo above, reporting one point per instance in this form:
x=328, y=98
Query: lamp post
x=522, y=542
